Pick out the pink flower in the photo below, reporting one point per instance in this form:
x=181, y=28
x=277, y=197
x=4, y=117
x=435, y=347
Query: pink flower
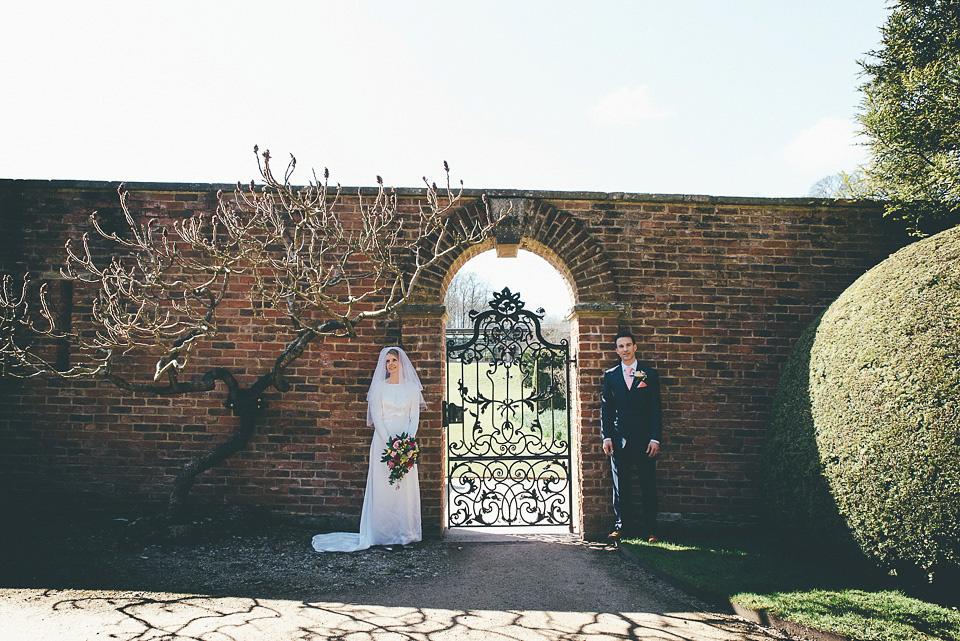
x=390, y=464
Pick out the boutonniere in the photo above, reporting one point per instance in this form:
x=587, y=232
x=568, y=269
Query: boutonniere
x=641, y=376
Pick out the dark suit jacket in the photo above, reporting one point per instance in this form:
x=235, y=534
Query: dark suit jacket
x=635, y=414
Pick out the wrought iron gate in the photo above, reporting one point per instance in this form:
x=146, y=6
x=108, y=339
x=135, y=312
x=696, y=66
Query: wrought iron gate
x=507, y=415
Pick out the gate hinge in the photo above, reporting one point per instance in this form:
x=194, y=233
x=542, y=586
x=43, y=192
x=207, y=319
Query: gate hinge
x=451, y=413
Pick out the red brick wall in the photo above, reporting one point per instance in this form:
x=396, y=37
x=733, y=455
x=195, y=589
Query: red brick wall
x=716, y=290
x=716, y=294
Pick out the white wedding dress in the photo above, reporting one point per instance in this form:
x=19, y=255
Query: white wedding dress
x=391, y=513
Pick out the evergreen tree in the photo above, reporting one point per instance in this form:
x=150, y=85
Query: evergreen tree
x=911, y=115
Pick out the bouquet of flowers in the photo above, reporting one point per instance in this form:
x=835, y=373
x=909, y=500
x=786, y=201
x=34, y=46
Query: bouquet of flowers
x=402, y=453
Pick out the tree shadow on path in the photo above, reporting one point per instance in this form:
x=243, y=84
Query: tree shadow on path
x=274, y=586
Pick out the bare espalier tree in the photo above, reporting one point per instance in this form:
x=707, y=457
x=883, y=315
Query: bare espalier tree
x=298, y=259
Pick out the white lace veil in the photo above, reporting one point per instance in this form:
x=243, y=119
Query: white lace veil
x=408, y=380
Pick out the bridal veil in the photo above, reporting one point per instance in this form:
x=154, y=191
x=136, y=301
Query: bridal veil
x=409, y=381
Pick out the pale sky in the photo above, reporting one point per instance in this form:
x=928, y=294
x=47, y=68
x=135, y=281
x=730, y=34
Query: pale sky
x=539, y=284
x=719, y=97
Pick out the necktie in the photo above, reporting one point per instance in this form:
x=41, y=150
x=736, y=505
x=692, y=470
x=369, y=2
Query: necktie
x=628, y=376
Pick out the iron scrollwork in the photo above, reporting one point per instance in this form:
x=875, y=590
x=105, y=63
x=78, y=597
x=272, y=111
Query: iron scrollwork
x=509, y=450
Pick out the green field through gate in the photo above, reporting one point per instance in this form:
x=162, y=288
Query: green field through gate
x=499, y=383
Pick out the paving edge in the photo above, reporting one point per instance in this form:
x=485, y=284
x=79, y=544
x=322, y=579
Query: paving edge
x=765, y=618
x=760, y=617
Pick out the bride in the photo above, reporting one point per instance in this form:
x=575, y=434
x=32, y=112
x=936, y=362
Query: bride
x=391, y=513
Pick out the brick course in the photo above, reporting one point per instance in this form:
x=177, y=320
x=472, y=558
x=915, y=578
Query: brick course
x=716, y=290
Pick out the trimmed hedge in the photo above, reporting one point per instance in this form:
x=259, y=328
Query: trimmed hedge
x=865, y=439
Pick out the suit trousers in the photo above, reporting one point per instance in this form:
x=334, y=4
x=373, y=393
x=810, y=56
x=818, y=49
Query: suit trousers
x=624, y=462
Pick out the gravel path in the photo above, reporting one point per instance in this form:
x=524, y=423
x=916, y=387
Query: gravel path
x=266, y=583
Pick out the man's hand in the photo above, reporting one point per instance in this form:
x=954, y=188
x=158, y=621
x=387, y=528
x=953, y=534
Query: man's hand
x=608, y=447
x=653, y=449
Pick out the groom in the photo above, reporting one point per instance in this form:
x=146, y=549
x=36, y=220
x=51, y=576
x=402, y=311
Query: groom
x=630, y=423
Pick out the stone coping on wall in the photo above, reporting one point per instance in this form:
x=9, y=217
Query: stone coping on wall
x=697, y=199
x=421, y=310
x=596, y=310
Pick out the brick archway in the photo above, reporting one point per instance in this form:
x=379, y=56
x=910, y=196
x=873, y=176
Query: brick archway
x=565, y=243
x=541, y=228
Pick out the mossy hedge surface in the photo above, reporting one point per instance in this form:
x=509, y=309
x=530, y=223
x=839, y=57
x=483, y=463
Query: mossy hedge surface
x=866, y=432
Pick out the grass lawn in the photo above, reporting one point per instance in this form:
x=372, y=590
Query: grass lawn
x=751, y=570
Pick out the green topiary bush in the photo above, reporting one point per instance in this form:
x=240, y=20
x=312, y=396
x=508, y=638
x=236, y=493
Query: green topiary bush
x=865, y=440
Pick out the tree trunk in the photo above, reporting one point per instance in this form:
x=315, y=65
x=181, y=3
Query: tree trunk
x=247, y=405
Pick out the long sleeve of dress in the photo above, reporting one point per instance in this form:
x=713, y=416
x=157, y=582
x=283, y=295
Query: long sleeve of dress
x=414, y=417
x=376, y=412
